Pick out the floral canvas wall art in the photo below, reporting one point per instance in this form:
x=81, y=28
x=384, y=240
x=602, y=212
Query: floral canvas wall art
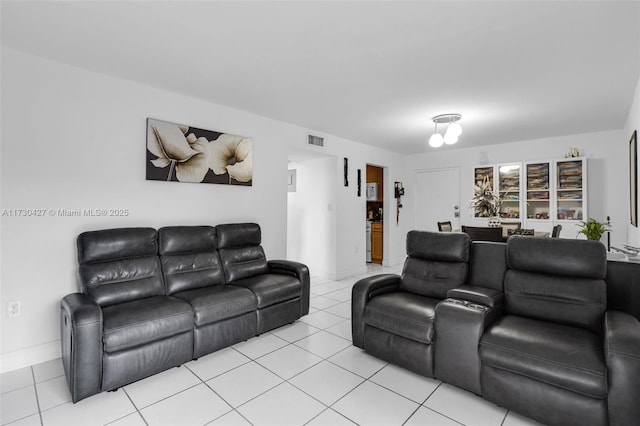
x=179, y=153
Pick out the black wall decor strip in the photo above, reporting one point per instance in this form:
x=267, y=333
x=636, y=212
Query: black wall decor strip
x=346, y=171
x=359, y=182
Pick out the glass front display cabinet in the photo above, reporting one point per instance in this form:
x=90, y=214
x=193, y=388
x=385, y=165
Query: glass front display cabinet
x=480, y=174
x=570, y=189
x=538, y=198
x=540, y=194
x=509, y=190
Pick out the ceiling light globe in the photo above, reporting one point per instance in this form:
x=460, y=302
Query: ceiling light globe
x=455, y=129
x=436, y=140
x=450, y=139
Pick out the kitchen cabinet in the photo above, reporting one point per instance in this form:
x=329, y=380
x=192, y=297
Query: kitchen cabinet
x=376, y=242
x=375, y=211
x=375, y=175
x=375, y=206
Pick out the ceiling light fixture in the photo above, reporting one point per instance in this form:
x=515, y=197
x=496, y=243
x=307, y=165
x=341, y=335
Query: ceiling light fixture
x=454, y=130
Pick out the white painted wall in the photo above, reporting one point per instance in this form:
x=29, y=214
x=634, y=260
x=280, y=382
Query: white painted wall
x=312, y=216
x=351, y=210
x=633, y=123
x=75, y=139
x=351, y=257
x=608, y=182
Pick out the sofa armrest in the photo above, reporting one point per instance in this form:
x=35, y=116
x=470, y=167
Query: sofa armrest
x=298, y=270
x=81, y=337
x=622, y=354
x=362, y=291
x=459, y=326
x=476, y=294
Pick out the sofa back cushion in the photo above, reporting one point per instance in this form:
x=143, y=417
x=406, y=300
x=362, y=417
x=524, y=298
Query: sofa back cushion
x=436, y=263
x=556, y=280
x=119, y=265
x=487, y=264
x=189, y=257
x=240, y=250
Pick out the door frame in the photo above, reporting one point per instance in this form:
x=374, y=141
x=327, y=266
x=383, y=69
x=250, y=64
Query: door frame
x=438, y=169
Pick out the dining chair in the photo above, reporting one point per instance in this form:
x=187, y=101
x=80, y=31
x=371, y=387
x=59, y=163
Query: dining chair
x=556, y=231
x=522, y=231
x=445, y=226
x=507, y=226
x=477, y=233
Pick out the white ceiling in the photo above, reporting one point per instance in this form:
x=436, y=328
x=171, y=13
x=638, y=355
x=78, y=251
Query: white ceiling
x=374, y=72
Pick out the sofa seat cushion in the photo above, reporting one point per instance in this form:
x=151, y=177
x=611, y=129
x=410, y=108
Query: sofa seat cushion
x=217, y=303
x=270, y=289
x=145, y=320
x=568, y=357
x=405, y=314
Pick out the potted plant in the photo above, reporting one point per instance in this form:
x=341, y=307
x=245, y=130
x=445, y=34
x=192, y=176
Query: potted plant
x=592, y=229
x=486, y=203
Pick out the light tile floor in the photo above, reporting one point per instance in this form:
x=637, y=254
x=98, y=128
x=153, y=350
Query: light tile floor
x=306, y=373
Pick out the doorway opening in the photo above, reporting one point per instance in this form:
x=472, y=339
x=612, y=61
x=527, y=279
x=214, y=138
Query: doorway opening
x=311, y=210
x=375, y=214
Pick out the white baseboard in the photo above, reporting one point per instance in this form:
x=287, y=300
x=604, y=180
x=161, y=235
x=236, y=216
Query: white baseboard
x=393, y=262
x=30, y=356
x=351, y=272
x=324, y=274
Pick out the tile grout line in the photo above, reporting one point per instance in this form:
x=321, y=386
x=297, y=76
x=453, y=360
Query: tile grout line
x=443, y=415
x=412, y=414
x=220, y=396
x=134, y=406
x=432, y=392
x=284, y=380
x=504, y=419
x=261, y=335
x=316, y=416
x=318, y=330
x=436, y=411
x=35, y=390
x=368, y=379
x=161, y=399
x=221, y=374
x=233, y=409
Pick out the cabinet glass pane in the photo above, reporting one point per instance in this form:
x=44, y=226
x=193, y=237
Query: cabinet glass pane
x=509, y=190
x=569, y=190
x=538, y=195
x=480, y=173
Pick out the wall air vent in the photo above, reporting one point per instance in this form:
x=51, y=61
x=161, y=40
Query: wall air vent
x=316, y=140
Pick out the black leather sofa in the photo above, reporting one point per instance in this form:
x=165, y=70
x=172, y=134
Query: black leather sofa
x=155, y=299
x=527, y=328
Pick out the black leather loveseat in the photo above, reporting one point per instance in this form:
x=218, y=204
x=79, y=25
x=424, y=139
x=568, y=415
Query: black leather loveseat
x=528, y=328
x=155, y=299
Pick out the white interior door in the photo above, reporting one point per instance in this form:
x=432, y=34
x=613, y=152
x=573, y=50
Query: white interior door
x=437, y=198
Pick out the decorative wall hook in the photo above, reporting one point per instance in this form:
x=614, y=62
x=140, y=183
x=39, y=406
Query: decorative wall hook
x=398, y=192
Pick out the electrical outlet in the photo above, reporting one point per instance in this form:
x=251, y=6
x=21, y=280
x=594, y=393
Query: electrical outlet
x=13, y=309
